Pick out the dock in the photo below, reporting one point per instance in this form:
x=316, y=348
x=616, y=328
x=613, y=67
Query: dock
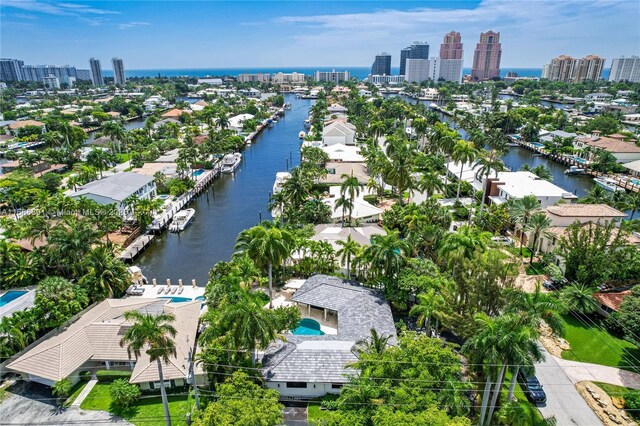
x=571, y=161
x=134, y=249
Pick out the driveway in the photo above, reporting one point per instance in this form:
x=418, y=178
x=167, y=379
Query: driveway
x=33, y=404
x=563, y=400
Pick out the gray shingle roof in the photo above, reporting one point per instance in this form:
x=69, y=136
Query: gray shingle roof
x=324, y=359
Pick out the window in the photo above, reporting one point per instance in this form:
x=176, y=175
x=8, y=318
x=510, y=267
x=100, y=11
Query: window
x=336, y=385
x=299, y=385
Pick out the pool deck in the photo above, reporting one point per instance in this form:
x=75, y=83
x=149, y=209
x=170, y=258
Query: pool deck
x=328, y=325
x=23, y=302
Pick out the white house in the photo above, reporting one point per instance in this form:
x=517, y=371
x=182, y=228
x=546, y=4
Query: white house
x=624, y=152
x=116, y=188
x=362, y=210
x=236, y=122
x=339, y=132
x=92, y=342
x=336, y=108
x=343, y=153
x=306, y=366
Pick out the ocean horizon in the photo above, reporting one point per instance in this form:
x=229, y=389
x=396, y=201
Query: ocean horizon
x=357, y=72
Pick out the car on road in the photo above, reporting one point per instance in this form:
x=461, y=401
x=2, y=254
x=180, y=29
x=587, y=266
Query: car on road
x=502, y=240
x=532, y=388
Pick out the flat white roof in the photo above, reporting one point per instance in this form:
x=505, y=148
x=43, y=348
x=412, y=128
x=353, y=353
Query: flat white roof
x=520, y=184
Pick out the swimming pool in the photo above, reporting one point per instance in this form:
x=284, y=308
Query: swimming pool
x=536, y=144
x=307, y=327
x=635, y=181
x=197, y=173
x=580, y=160
x=177, y=299
x=10, y=296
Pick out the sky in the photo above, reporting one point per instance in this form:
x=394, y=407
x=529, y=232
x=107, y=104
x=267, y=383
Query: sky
x=156, y=34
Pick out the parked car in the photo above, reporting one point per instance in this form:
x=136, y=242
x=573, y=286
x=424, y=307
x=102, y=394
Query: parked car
x=502, y=240
x=553, y=284
x=532, y=388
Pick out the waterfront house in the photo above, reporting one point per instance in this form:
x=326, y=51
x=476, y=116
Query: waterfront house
x=336, y=109
x=335, y=171
x=546, y=136
x=199, y=105
x=175, y=113
x=624, y=152
x=343, y=153
x=92, y=342
x=17, y=125
x=339, y=132
x=116, y=189
x=598, y=97
x=633, y=167
x=342, y=313
x=236, y=122
x=363, y=211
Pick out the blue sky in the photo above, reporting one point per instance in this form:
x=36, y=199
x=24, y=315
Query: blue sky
x=213, y=34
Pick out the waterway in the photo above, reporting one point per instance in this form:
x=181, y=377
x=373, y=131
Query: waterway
x=232, y=203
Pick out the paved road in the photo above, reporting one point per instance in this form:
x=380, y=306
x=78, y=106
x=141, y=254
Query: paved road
x=33, y=404
x=563, y=400
x=580, y=371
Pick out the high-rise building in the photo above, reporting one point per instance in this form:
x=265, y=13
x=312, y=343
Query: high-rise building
x=96, y=72
x=588, y=68
x=64, y=73
x=11, y=70
x=82, y=74
x=625, y=69
x=559, y=69
x=254, y=78
x=118, y=71
x=382, y=64
x=333, y=76
x=51, y=81
x=417, y=50
x=486, y=57
x=451, y=57
x=419, y=70
x=287, y=78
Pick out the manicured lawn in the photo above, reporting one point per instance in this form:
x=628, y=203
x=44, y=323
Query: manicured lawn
x=121, y=158
x=143, y=411
x=314, y=413
x=515, y=250
x=523, y=402
x=594, y=344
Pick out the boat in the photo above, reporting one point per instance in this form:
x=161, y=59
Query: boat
x=512, y=144
x=281, y=178
x=608, y=184
x=307, y=123
x=575, y=170
x=230, y=162
x=287, y=106
x=301, y=135
x=181, y=220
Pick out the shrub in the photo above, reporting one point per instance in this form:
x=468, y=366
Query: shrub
x=62, y=388
x=371, y=199
x=108, y=376
x=632, y=400
x=123, y=393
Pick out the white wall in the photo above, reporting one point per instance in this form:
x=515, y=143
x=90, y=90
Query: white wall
x=312, y=389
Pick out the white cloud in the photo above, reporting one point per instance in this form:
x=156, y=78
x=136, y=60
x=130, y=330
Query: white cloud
x=132, y=24
x=65, y=9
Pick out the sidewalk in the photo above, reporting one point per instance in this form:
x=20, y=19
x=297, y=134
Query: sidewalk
x=85, y=392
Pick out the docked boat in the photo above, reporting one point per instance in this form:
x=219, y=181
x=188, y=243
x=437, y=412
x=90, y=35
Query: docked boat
x=230, y=162
x=575, y=170
x=181, y=220
x=287, y=106
x=281, y=178
x=301, y=135
x=608, y=184
x=511, y=144
x=307, y=123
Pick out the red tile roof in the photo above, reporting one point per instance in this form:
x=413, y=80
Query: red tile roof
x=611, y=300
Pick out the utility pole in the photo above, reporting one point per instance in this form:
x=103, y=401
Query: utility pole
x=191, y=377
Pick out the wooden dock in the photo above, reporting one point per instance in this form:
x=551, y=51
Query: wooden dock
x=135, y=248
x=624, y=183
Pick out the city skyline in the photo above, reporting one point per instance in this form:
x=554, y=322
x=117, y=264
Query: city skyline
x=147, y=38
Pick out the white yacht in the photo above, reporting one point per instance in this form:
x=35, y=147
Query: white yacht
x=281, y=178
x=608, y=184
x=575, y=170
x=181, y=220
x=230, y=162
x=301, y=135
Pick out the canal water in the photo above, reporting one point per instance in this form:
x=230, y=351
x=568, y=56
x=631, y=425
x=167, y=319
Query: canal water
x=232, y=203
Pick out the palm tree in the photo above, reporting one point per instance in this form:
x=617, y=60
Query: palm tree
x=349, y=249
x=537, y=227
x=115, y=131
x=222, y=121
x=346, y=205
x=297, y=188
x=489, y=162
x=376, y=344
x=351, y=186
x=521, y=211
x=597, y=195
x=632, y=202
x=578, y=299
x=267, y=246
x=463, y=152
x=430, y=182
x=104, y=274
x=387, y=254
x=428, y=306
x=155, y=334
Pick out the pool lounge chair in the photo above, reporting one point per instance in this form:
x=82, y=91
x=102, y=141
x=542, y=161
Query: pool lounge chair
x=173, y=291
x=167, y=289
x=180, y=290
x=160, y=290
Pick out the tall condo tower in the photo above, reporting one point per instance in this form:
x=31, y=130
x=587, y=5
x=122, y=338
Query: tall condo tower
x=382, y=64
x=486, y=57
x=625, y=69
x=96, y=72
x=118, y=71
x=418, y=50
x=451, y=54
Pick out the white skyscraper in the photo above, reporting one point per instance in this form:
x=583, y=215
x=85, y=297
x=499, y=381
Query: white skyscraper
x=118, y=71
x=419, y=70
x=96, y=72
x=625, y=69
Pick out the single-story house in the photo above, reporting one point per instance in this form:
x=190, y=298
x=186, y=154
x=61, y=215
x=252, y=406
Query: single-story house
x=92, y=342
x=336, y=108
x=150, y=169
x=306, y=366
x=335, y=171
x=633, y=167
x=175, y=113
x=546, y=136
x=117, y=188
x=199, y=105
x=624, y=152
x=16, y=125
x=609, y=302
x=363, y=211
x=343, y=153
x=236, y=122
x=339, y=132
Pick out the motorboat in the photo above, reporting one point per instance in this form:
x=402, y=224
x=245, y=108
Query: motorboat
x=575, y=170
x=181, y=220
x=608, y=184
x=307, y=123
x=287, y=106
x=230, y=162
x=301, y=135
x=281, y=178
